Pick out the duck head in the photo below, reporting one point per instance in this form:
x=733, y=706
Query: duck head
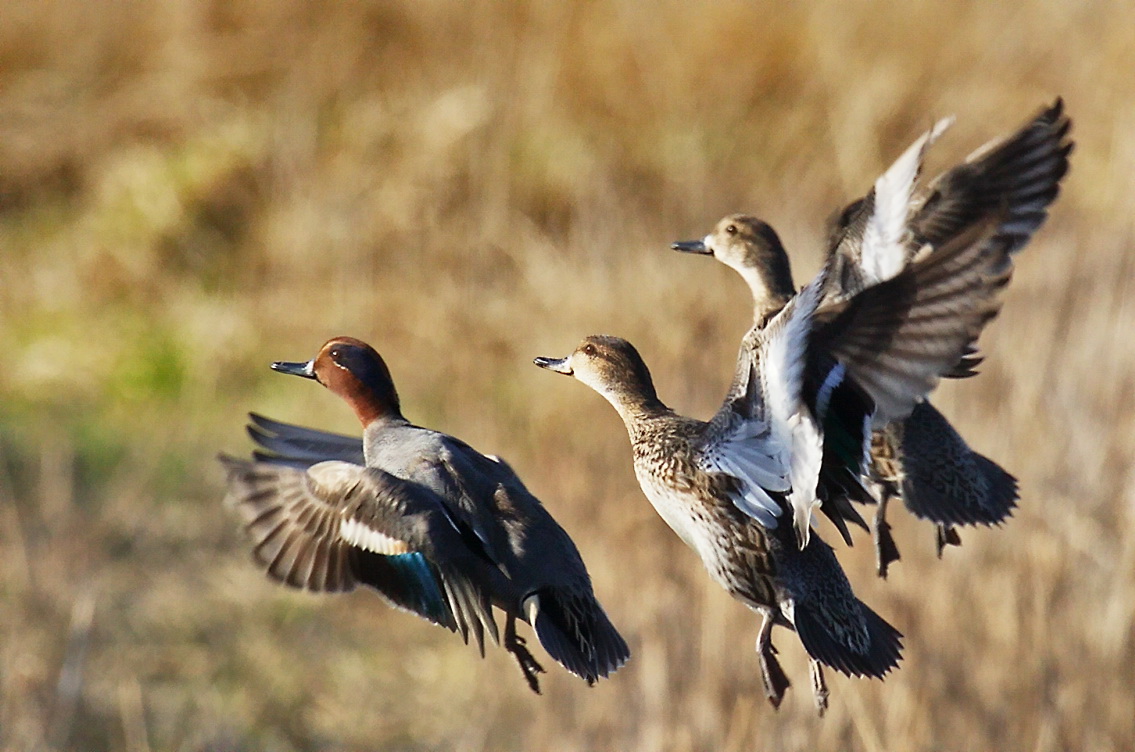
x=752, y=248
x=353, y=370
x=612, y=367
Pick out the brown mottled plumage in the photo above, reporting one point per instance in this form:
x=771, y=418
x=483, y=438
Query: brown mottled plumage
x=760, y=566
x=919, y=457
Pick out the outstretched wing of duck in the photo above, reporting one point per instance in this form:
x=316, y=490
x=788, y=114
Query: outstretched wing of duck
x=297, y=446
x=1020, y=174
x=1018, y=177
x=897, y=338
x=869, y=242
x=336, y=525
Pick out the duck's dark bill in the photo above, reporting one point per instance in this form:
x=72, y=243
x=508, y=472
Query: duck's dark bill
x=690, y=246
x=306, y=370
x=559, y=365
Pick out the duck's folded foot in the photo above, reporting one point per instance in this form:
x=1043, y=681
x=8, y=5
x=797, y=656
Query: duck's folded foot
x=772, y=675
x=946, y=536
x=819, y=687
x=515, y=644
x=885, y=549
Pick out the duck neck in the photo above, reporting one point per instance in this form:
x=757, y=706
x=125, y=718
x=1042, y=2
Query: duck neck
x=638, y=410
x=371, y=408
x=769, y=280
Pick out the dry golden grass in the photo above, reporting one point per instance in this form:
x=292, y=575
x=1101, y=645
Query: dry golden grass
x=189, y=190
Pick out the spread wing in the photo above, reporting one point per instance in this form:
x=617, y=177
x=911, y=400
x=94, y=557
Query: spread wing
x=297, y=446
x=300, y=447
x=870, y=239
x=336, y=525
x=882, y=254
x=1017, y=177
x=898, y=337
x=1019, y=174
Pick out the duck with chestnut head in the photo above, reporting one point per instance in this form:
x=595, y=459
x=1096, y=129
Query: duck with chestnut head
x=433, y=525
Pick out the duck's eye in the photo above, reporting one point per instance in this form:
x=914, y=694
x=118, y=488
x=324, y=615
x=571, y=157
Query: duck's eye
x=335, y=353
x=589, y=349
x=731, y=229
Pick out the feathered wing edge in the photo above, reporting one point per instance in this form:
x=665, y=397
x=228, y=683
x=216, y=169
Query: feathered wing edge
x=897, y=338
x=328, y=530
x=297, y=446
x=883, y=251
x=1021, y=172
x=1019, y=175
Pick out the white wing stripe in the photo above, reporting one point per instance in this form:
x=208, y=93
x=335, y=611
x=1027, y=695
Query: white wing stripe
x=807, y=456
x=883, y=253
x=368, y=539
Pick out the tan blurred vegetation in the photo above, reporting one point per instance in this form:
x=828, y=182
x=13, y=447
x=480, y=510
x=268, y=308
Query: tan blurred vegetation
x=189, y=190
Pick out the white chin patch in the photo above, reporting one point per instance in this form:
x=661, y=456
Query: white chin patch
x=368, y=539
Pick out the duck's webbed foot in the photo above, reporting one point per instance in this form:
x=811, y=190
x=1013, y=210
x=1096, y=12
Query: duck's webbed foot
x=819, y=687
x=772, y=675
x=515, y=644
x=945, y=535
x=885, y=549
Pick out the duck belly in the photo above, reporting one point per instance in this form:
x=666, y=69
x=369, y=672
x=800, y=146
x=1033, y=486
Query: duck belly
x=685, y=516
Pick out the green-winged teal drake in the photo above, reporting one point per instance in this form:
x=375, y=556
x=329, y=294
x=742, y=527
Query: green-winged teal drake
x=725, y=486
x=432, y=524
x=920, y=458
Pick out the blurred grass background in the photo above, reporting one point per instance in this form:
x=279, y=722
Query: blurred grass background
x=189, y=190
